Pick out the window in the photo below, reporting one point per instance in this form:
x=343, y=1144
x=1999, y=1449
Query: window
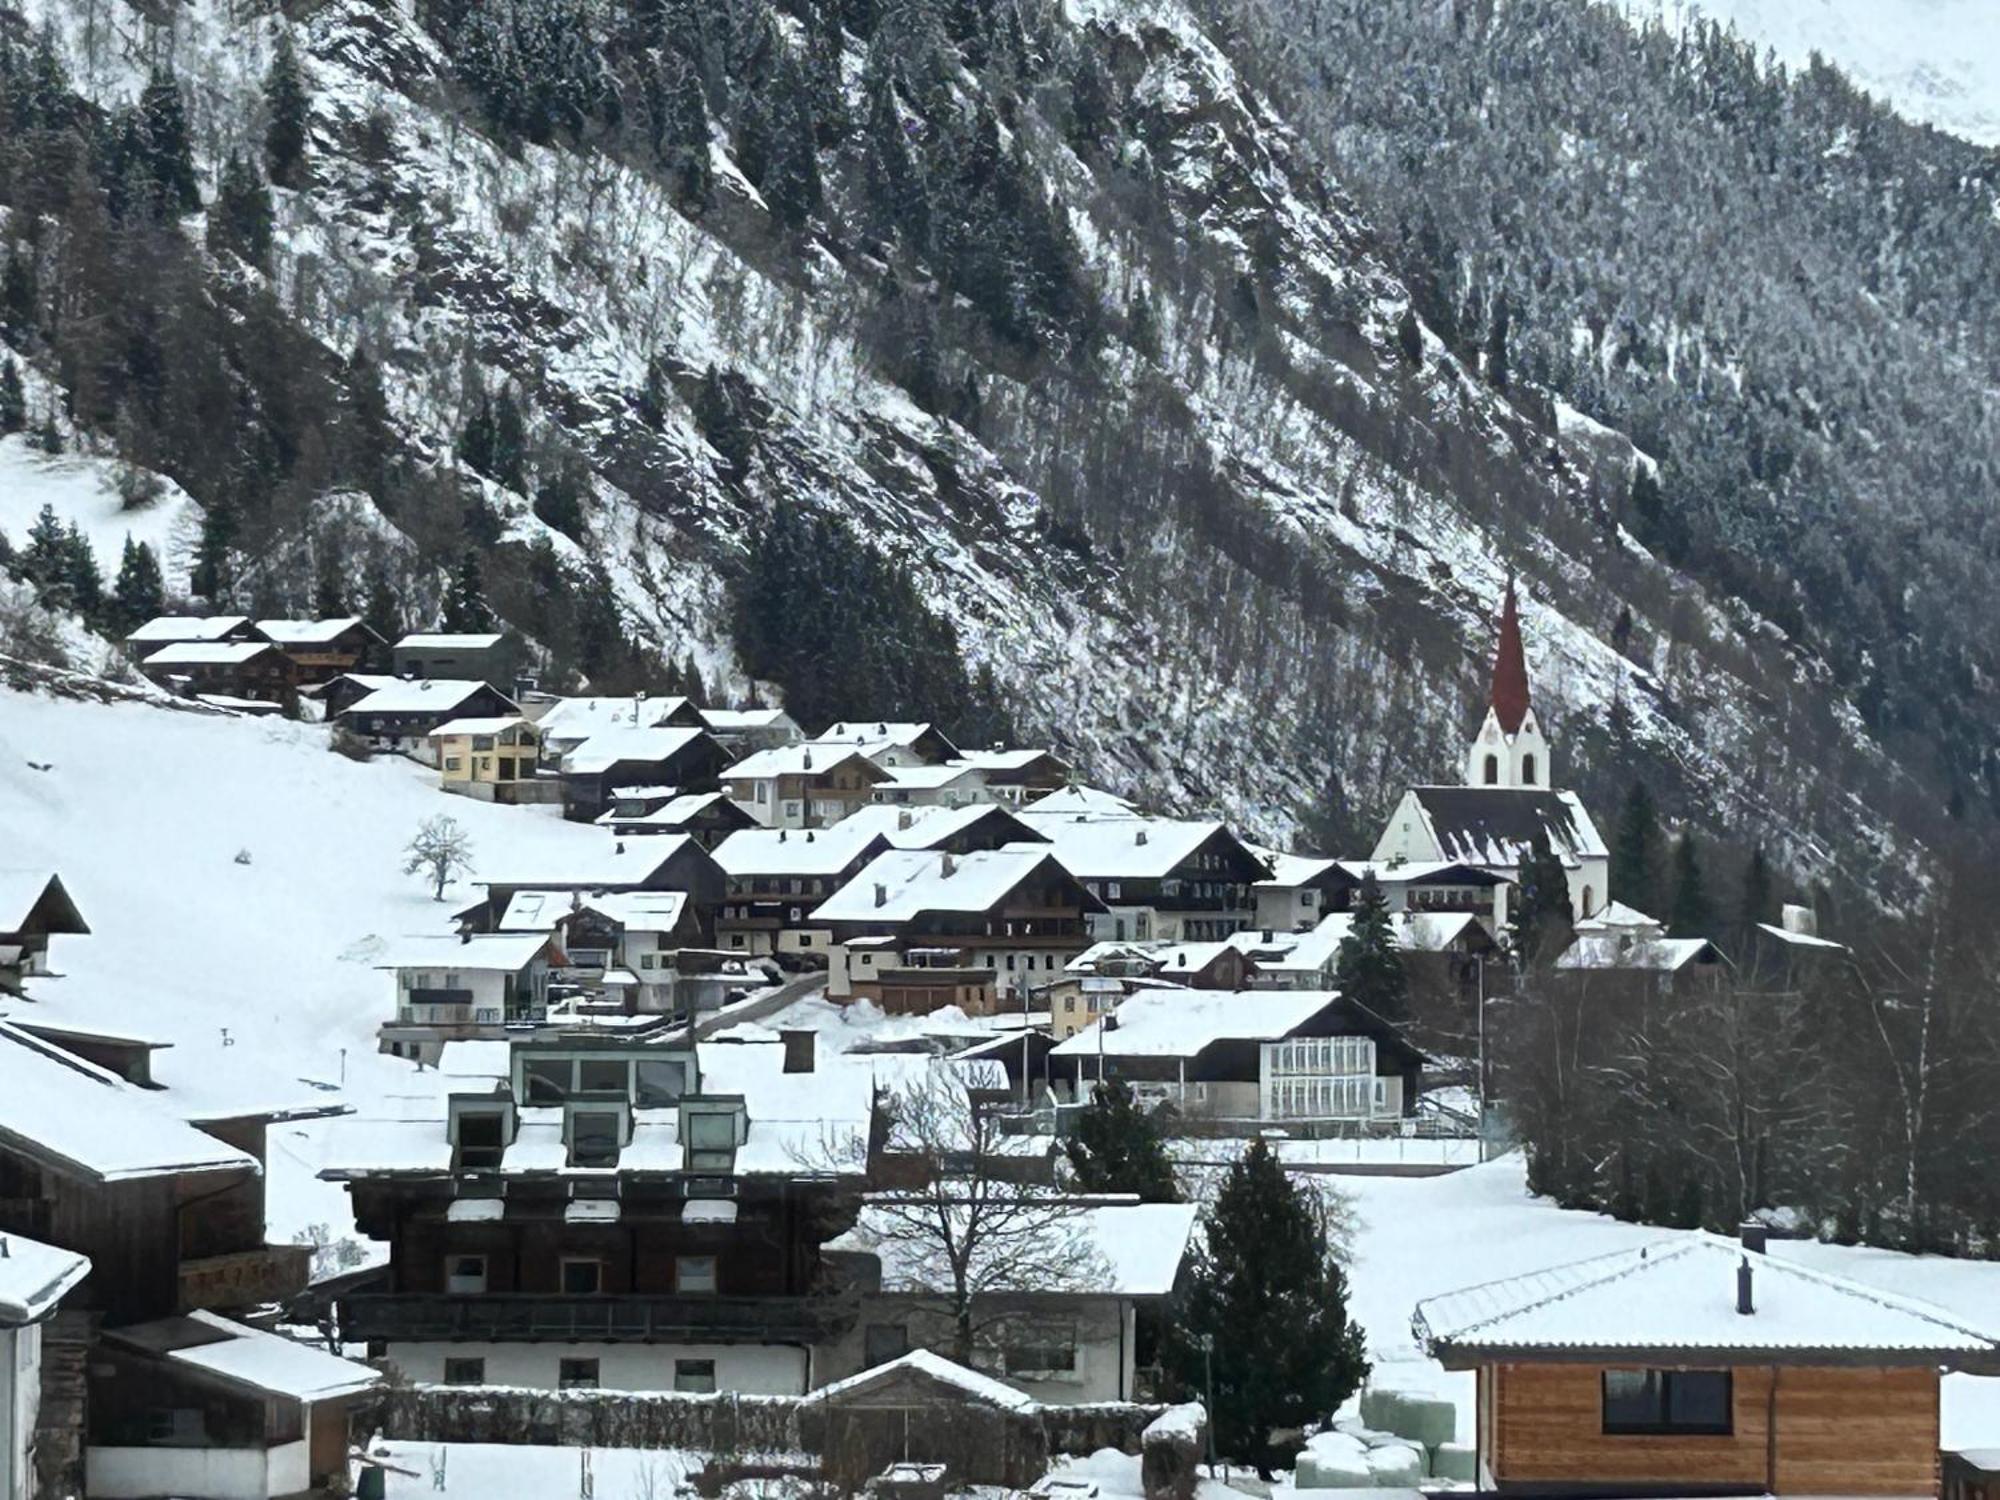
x=1527, y=770
x=694, y=1273
x=594, y=1137
x=546, y=1079
x=481, y=1140
x=1492, y=770
x=452, y=762
x=465, y=1275
x=656, y=1083
x=1589, y=901
x=1684, y=1403
x=581, y=1276
x=1111, y=890
x=602, y=1075
x=576, y=1375
x=1039, y=1350
x=882, y=1342
x=695, y=1375
x=465, y=1372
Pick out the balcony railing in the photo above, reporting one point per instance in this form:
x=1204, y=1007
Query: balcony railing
x=245, y=1278
x=604, y=1319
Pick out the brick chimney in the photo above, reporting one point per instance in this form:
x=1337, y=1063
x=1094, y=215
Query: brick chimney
x=799, y=1044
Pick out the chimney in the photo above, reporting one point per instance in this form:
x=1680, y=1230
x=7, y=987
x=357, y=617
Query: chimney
x=808, y=757
x=1745, y=1301
x=798, y=1049
x=1140, y=837
x=904, y=819
x=621, y=846
x=781, y=835
x=1800, y=920
x=1755, y=1236
x=881, y=894
x=947, y=865
x=809, y=835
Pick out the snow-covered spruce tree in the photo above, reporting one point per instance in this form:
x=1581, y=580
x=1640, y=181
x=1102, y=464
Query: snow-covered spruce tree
x=1635, y=852
x=1262, y=1331
x=13, y=399
x=1368, y=969
x=1691, y=913
x=1114, y=1147
x=138, y=594
x=169, y=157
x=239, y=221
x=287, y=113
x=465, y=606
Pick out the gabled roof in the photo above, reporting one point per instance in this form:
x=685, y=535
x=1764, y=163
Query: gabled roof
x=37, y=897
x=1659, y=955
x=928, y=827
x=207, y=653
x=1616, y=916
x=873, y=737
x=494, y=724
x=308, y=632
x=746, y=720
x=1184, y=1023
x=613, y=744
x=483, y=640
x=34, y=1277
x=1079, y=798
x=674, y=814
x=1422, y=872
x=90, y=1124
x=750, y=852
x=1801, y=939
x=1496, y=825
x=166, y=628
x=415, y=695
x=801, y=760
x=1297, y=871
x=614, y=864
x=264, y=1363
x=581, y=716
x=929, y=778
x=933, y=1367
x=1679, y=1294
x=915, y=882
x=639, y=911
x=507, y=952
x=1130, y=848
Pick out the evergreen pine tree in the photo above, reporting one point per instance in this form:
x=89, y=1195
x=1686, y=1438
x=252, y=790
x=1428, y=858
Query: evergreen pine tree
x=18, y=295
x=476, y=440
x=1498, y=370
x=968, y=408
x=683, y=133
x=1368, y=970
x=1648, y=504
x=1114, y=1147
x=41, y=94
x=753, y=137
x=1264, y=1318
x=1759, y=894
x=1635, y=852
x=719, y=414
x=655, y=395
x=48, y=436
x=82, y=578
x=383, y=612
x=329, y=588
x=13, y=399
x=510, y=442
x=1541, y=915
x=44, y=562
x=1410, y=338
x=214, y=575
x=166, y=142
x=465, y=601
x=287, y=112
x=239, y=221
x=138, y=594
x=891, y=180
x=1691, y=914
x=792, y=184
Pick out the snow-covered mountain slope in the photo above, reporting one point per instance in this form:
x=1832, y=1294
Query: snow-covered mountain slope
x=1241, y=555
x=239, y=880
x=1936, y=61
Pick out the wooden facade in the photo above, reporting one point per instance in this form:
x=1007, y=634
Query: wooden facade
x=1794, y=1430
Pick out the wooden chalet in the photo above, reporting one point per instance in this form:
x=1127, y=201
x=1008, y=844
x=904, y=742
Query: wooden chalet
x=890, y=744
x=706, y=817
x=662, y=862
x=251, y=670
x=803, y=786
x=779, y=876
x=617, y=1216
x=488, y=656
x=1157, y=877
x=401, y=715
x=689, y=759
x=1698, y=1365
x=178, y=630
x=323, y=649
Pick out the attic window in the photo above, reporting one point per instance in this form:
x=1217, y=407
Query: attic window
x=595, y=1136
x=481, y=1140
x=710, y=1133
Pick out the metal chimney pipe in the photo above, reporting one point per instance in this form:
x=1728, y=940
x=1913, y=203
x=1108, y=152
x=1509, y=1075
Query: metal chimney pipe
x=1746, y=1302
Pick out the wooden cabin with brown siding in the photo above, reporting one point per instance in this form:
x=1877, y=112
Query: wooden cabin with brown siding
x=1698, y=1365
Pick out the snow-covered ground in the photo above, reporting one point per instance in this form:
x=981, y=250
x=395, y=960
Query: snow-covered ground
x=144, y=812
x=1934, y=61
x=84, y=490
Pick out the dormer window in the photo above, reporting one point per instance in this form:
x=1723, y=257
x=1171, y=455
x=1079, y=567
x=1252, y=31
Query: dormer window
x=596, y=1135
x=711, y=1132
x=481, y=1130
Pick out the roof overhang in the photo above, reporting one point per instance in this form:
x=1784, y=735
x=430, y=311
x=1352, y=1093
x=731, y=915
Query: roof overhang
x=1456, y=1356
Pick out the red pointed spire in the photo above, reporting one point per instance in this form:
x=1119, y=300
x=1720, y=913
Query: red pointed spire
x=1510, y=667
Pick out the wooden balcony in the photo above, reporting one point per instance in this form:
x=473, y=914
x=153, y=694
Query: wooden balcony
x=245, y=1278
x=507, y=1316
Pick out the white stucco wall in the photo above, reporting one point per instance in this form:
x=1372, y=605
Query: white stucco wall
x=752, y=1369
x=197, y=1473
x=20, y=1396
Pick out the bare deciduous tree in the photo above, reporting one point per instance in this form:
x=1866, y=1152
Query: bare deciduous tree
x=441, y=852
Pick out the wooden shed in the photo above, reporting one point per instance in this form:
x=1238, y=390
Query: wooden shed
x=924, y=1409
x=1699, y=1365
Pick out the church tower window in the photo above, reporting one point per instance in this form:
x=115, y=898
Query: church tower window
x=1527, y=770
x=1493, y=770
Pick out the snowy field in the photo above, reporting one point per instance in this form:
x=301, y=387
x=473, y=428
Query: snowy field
x=144, y=812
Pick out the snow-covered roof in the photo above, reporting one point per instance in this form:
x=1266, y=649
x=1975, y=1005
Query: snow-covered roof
x=751, y=852
x=1182, y=1023
x=800, y=760
x=414, y=695
x=165, y=628
x=306, y=632
x=1423, y=871
x=971, y=1383
x=1496, y=825
x=208, y=653
x=1127, y=848
x=484, y=640
x=1651, y=955
x=746, y=720
x=1138, y=1248
x=580, y=717
x=495, y=724
x=1290, y=871
x=1081, y=798
x=1617, y=917
x=912, y=882
x=606, y=747
x=673, y=814
x=930, y=778
x=90, y=1123
x=34, y=1277
x=876, y=735
x=1680, y=1293
x=640, y=911
x=249, y=1358
x=1002, y=761
x=1801, y=939
x=928, y=827
x=1315, y=951
x=508, y=951
x=608, y=865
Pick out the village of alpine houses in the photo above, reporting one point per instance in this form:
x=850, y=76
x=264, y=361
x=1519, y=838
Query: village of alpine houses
x=1023, y=750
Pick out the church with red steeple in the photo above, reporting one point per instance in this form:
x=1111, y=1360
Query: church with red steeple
x=1507, y=798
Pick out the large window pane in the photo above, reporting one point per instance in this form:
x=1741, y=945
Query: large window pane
x=1633, y=1401
x=1698, y=1400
